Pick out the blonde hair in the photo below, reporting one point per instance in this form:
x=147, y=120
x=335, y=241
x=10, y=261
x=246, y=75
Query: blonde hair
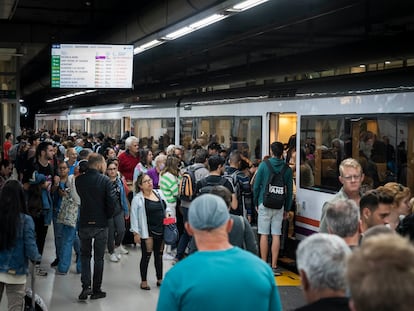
x=399, y=192
x=349, y=162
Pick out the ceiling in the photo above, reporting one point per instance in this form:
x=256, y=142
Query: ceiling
x=275, y=39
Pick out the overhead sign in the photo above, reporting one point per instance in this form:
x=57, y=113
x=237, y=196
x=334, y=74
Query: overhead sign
x=92, y=66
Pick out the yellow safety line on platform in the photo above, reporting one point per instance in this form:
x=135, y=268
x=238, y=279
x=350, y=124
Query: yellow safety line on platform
x=288, y=278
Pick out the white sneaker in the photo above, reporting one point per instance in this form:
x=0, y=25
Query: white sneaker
x=121, y=250
x=113, y=257
x=119, y=256
x=167, y=257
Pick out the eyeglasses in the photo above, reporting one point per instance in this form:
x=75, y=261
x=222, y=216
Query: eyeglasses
x=352, y=177
x=111, y=169
x=147, y=181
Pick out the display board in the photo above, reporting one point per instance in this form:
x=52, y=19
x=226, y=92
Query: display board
x=83, y=66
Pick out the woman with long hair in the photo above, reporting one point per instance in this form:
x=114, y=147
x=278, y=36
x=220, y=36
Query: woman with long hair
x=116, y=223
x=169, y=181
x=147, y=215
x=17, y=243
x=144, y=164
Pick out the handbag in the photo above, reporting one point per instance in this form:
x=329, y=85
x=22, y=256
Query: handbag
x=170, y=231
x=68, y=214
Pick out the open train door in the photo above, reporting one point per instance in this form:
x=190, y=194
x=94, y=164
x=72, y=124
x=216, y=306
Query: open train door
x=283, y=126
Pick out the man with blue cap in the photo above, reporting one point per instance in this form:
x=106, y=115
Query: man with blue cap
x=219, y=275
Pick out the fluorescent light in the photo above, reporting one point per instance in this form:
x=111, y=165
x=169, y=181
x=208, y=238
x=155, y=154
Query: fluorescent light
x=179, y=33
x=245, y=5
x=147, y=46
x=195, y=26
x=140, y=106
x=207, y=21
x=387, y=62
x=105, y=109
x=70, y=95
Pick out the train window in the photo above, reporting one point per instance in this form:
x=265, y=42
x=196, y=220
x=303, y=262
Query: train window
x=45, y=124
x=156, y=134
x=380, y=143
x=242, y=133
x=77, y=126
x=62, y=126
x=111, y=128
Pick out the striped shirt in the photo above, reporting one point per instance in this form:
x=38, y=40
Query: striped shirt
x=169, y=186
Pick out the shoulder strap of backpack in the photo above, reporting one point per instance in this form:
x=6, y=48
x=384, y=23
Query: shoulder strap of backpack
x=283, y=170
x=222, y=181
x=270, y=166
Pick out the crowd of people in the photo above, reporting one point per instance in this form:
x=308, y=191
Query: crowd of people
x=97, y=193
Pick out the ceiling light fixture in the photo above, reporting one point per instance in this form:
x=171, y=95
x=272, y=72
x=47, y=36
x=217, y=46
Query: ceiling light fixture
x=106, y=109
x=245, y=5
x=173, y=33
x=69, y=95
x=195, y=26
x=147, y=46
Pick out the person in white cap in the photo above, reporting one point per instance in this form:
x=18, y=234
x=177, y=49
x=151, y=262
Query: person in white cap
x=217, y=276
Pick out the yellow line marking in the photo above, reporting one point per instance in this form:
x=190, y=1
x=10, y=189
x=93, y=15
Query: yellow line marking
x=287, y=278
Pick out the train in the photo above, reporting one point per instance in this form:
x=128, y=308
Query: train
x=377, y=125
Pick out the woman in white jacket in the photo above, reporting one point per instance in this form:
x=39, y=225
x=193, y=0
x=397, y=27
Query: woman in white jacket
x=147, y=215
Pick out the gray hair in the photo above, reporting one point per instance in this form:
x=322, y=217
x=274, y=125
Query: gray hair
x=160, y=158
x=323, y=258
x=130, y=140
x=342, y=218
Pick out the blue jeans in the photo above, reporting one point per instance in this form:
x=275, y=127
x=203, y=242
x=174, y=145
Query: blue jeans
x=57, y=229
x=100, y=237
x=76, y=248
x=116, y=231
x=65, y=255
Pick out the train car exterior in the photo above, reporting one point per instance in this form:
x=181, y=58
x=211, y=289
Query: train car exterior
x=376, y=128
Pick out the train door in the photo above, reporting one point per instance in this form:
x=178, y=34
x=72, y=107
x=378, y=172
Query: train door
x=282, y=126
x=126, y=125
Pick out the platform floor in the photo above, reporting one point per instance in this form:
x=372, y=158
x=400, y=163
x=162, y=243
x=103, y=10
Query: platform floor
x=121, y=282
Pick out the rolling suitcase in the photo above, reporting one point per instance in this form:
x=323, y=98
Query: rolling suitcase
x=32, y=301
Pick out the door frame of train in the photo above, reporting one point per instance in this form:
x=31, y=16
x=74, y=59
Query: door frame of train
x=278, y=119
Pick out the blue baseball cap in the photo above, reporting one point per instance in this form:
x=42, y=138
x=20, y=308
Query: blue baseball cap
x=208, y=211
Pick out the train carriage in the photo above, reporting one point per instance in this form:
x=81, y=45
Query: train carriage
x=375, y=127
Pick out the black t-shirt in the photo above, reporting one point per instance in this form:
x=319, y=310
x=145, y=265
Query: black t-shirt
x=155, y=217
x=36, y=166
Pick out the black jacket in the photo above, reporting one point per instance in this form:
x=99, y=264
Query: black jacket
x=327, y=304
x=97, y=199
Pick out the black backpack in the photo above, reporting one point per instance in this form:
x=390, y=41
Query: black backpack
x=275, y=192
x=206, y=186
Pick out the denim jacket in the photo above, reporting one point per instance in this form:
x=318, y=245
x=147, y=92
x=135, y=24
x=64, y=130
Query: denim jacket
x=15, y=260
x=124, y=202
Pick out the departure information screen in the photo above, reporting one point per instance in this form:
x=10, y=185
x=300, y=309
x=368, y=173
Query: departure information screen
x=92, y=66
